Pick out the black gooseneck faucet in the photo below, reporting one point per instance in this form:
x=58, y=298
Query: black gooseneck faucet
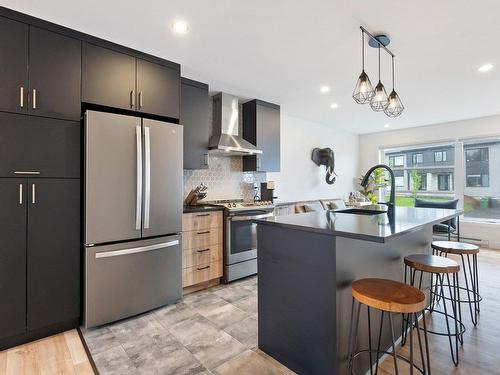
x=366, y=178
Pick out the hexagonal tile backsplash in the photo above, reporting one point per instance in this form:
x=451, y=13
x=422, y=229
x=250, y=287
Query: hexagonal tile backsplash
x=224, y=178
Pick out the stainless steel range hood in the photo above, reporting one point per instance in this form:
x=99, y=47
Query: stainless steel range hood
x=225, y=139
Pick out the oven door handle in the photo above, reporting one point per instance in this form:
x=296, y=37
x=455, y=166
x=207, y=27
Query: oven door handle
x=251, y=217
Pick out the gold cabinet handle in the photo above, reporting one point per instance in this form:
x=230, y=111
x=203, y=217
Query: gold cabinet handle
x=33, y=193
x=34, y=98
x=21, y=97
x=21, y=194
x=132, y=99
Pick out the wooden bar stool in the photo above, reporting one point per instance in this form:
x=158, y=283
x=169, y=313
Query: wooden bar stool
x=466, y=251
x=439, y=268
x=389, y=297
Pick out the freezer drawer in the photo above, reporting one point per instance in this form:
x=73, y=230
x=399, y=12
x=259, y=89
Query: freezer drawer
x=126, y=279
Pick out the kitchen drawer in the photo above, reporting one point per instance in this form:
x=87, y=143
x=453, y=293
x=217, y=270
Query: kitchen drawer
x=201, y=273
x=201, y=220
x=201, y=238
x=203, y=255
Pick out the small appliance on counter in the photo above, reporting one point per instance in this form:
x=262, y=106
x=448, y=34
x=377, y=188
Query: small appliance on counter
x=196, y=194
x=267, y=191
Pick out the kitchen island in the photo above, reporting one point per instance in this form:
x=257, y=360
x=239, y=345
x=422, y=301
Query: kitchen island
x=306, y=265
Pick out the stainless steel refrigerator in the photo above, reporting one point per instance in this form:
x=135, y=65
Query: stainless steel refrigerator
x=133, y=215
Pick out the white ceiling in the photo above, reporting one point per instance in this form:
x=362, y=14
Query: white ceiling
x=283, y=50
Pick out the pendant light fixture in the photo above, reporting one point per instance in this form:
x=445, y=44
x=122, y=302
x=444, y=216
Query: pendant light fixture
x=363, y=91
x=395, y=106
x=380, y=100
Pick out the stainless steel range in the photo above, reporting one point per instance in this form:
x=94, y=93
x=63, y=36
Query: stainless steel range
x=240, y=236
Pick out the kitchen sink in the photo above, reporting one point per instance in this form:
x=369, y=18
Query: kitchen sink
x=360, y=211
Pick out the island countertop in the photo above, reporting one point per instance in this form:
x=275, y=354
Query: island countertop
x=377, y=228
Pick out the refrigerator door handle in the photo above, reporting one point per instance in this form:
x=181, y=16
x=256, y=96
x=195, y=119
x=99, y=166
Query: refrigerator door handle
x=138, y=203
x=147, y=176
x=135, y=250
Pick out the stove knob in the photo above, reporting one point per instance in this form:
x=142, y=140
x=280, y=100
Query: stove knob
x=234, y=205
x=229, y=205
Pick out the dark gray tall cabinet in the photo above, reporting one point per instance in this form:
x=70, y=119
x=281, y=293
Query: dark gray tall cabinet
x=196, y=121
x=261, y=127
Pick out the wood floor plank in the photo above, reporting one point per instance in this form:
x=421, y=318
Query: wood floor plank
x=59, y=354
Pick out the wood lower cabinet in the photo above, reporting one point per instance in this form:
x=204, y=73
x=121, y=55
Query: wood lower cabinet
x=202, y=243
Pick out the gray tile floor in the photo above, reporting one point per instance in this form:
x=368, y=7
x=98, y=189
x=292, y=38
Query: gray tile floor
x=210, y=332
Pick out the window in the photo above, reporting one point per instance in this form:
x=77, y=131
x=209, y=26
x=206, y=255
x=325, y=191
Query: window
x=482, y=179
x=397, y=161
x=477, y=154
x=439, y=156
x=423, y=181
x=443, y=182
x=399, y=181
x=478, y=180
x=417, y=158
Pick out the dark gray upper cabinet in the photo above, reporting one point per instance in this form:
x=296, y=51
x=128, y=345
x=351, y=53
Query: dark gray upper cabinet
x=158, y=89
x=261, y=127
x=12, y=256
x=196, y=121
x=53, y=253
x=118, y=80
x=55, y=75
x=50, y=60
x=108, y=77
x=13, y=65
x=38, y=145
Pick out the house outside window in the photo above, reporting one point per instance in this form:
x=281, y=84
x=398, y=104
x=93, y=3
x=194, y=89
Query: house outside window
x=439, y=156
x=477, y=154
x=397, y=161
x=423, y=181
x=478, y=180
x=443, y=182
x=418, y=158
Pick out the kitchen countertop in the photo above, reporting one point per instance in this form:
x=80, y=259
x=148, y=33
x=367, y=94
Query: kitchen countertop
x=377, y=228
x=202, y=208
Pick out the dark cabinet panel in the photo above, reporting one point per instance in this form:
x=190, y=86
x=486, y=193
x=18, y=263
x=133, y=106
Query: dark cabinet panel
x=53, y=288
x=158, y=89
x=55, y=75
x=36, y=144
x=108, y=77
x=13, y=66
x=196, y=121
x=12, y=256
x=261, y=127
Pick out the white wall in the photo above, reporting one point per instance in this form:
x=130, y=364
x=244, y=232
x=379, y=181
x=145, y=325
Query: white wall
x=300, y=178
x=370, y=144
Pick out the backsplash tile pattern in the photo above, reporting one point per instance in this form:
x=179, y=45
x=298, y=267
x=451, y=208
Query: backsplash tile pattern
x=224, y=178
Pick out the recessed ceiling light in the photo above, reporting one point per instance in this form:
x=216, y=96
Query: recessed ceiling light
x=324, y=89
x=334, y=106
x=485, y=68
x=387, y=125
x=180, y=27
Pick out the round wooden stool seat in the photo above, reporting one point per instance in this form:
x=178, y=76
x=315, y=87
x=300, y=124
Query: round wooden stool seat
x=455, y=247
x=432, y=263
x=388, y=295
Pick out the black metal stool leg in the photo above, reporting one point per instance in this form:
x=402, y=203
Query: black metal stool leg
x=391, y=322
x=473, y=315
x=370, y=339
x=454, y=358
x=426, y=345
x=379, y=339
x=352, y=336
x=419, y=341
x=410, y=318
